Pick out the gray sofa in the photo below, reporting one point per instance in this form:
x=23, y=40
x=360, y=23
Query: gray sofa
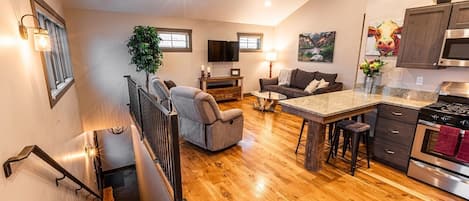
x=202, y=123
x=299, y=81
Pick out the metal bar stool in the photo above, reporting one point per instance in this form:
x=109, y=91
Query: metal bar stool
x=330, y=132
x=355, y=130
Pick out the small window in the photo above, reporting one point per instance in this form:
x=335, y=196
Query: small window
x=250, y=42
x=175, y=40
x=57, y=63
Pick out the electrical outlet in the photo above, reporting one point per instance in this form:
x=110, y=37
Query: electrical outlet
x=419, y=81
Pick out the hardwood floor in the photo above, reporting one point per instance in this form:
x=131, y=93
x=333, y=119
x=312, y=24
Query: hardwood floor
x=264, y=166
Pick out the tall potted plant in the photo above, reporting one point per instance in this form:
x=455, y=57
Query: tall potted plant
x=145, y=50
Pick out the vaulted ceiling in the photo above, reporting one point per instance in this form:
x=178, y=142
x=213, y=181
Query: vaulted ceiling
x=239, y=11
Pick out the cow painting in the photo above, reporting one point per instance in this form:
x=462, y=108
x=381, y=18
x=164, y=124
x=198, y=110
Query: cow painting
x=384, y=39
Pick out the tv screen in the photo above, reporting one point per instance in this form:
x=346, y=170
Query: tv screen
x=232, y=51
x=219, y=51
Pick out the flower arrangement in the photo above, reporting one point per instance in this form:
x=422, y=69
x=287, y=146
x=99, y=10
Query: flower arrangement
x=371, y=68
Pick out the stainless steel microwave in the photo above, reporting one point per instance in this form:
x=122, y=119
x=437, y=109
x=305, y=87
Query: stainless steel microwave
x=455, y=51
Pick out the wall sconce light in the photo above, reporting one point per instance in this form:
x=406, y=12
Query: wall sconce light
x=40, y=36
x=91, y=151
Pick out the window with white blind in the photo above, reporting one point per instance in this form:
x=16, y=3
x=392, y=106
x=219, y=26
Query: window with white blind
x=250, y=42
x=57, y=63
x=175, y=40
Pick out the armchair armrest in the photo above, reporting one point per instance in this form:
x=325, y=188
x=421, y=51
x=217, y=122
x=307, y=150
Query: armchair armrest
x=338, y=86
x=231, y=114
x=267, y=81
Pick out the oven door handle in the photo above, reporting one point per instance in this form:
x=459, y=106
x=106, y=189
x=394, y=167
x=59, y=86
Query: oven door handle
x=430, y=124
x=437, y=126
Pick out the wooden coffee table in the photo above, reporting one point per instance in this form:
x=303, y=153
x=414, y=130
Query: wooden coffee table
x=267, y=100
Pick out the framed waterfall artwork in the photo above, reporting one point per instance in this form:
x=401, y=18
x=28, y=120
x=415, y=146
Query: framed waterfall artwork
x=316, y=47
x=384, y=38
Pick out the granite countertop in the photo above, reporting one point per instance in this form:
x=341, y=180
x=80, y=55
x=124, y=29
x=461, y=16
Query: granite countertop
x=329, y=104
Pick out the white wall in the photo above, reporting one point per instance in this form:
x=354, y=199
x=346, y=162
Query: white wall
x=151, y=183
x=115, y=150
x=403, y=77
x=344, y=17
x=27, y=118
x=100, y=57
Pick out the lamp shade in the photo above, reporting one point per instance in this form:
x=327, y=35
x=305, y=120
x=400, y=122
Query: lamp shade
x=42, y=41
x=271, y=56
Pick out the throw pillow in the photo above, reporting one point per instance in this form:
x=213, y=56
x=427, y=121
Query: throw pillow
x=284, y=77
x=169, y=83
x=312, y=86
x=327, y=77
x=322, y=84
x=301, y=79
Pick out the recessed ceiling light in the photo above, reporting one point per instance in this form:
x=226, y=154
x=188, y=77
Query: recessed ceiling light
x=268, y=3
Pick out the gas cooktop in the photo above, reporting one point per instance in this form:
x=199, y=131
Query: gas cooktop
x=451, y=108
x=451, y=114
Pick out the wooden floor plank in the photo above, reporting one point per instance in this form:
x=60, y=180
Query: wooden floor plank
x=264, y=166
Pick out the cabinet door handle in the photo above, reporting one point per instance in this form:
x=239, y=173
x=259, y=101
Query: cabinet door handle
x=389, y=151
x=397, y=113
x=395, y=132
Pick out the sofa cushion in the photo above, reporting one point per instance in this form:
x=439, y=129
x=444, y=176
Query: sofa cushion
x=326, y=76
x=300, y=79
x=294, y=92
x=287, y=91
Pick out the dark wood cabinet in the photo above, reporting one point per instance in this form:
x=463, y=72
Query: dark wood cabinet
x=460, y=16
x=423, y=35
x=394, y=133
x=223, y=88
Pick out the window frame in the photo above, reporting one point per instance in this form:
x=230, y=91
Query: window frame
x=41, y=5
x=170, y=49
x=259, y=49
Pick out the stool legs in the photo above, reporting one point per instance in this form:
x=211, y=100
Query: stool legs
x=334, y=145
x=355, y=147
x=301, y=134
x=346, y=143
x=367, y=144
x=331, y=130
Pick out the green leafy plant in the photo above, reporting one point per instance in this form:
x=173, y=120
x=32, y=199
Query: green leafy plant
x=371, y=68
x=145, y=50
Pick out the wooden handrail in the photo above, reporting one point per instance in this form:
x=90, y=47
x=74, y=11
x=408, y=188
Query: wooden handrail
x=36, y=150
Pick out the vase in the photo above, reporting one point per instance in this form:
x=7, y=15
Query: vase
x=369, y=83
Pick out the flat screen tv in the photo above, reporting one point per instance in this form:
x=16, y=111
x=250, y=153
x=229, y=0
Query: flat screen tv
x=223, y=51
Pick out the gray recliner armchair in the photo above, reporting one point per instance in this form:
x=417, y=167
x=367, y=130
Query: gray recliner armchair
x=202, y=123
x=159, y=89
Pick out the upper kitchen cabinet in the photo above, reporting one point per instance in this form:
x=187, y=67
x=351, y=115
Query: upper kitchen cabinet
x=460, y=16
x=422, y=36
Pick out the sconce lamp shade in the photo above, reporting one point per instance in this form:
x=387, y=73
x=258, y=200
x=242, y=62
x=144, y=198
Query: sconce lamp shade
x=271, y=56
x=42, y=41
x=40, y=36
x=90, y=151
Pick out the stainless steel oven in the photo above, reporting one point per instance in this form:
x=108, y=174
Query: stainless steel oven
x=434, y=168
x=428, y=165
x=455, y=51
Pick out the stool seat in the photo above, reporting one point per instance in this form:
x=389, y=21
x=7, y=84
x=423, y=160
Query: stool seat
x=344, y=123
x=357, y=127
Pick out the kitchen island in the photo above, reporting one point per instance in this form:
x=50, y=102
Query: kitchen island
x=322, y=109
